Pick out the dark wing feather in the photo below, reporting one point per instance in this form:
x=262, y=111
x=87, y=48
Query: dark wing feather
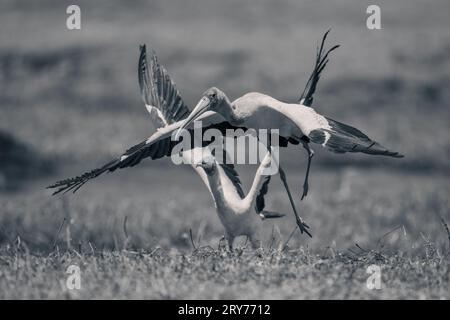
x=306, y=97
x=232, y=174
x=341, y=138
x=159, y=92
x=260, y=202
x=135, y=154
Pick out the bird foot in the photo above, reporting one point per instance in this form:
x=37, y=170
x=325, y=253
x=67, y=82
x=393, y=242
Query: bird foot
x=303, y=227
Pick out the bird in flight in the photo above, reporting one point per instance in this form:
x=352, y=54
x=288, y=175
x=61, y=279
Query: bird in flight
x=297, y=122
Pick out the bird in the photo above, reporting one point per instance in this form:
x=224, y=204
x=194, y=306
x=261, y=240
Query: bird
x=169, y=112
x=297, y=122
x=306, y=99
x=234, y=208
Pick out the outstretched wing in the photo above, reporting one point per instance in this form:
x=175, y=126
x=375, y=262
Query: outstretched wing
x=341, y=138
x=165, y=106
x=157, y=146
x=158, y=91
x=130, y=158
x=306, y=97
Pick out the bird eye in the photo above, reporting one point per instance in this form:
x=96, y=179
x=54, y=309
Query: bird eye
x=213, y=95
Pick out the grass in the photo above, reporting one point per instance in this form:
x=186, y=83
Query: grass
x=70, y=100
x=130, y=245
x=219, y=274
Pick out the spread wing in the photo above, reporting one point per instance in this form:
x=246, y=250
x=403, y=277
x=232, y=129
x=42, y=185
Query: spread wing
x=158, y=91
x=166, y=107
x=306, y=97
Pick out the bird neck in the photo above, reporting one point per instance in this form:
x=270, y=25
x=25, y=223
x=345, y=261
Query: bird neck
x=216, y=187
x=256, y=186
x=224, y=192
x=227, y=110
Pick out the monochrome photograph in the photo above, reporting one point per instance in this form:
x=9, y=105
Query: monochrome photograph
x=243, y=152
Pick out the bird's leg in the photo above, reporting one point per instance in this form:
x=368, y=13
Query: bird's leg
x=230, y=240
x=301, y=224
x=310, y=155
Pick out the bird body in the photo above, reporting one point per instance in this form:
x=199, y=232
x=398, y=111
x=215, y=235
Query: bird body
x=235, y=211
x=260, y=111
x=294, y=122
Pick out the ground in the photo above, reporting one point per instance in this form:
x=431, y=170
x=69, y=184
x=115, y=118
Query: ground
x=132, y=240
x=69, y=102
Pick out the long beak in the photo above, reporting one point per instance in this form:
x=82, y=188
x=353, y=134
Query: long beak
x=201, y=107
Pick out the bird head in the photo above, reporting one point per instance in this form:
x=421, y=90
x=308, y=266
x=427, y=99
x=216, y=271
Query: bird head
x=211, y=100
x=208, y=163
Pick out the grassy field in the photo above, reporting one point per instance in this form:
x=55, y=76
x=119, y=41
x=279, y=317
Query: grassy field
x=69, y=102
x=132, y=239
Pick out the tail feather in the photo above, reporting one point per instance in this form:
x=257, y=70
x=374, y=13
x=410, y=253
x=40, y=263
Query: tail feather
x=342, y=138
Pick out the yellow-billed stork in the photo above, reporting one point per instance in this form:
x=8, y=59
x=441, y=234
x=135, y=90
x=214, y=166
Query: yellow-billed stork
x=297, y=122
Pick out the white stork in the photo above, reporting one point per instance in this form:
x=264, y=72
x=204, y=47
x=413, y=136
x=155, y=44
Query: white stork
x=169, y=112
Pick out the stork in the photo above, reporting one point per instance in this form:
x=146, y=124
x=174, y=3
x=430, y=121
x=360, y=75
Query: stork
x=235, y=210
x=297, y=122
x=170, y=113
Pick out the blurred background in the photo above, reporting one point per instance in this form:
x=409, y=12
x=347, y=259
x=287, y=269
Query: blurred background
x=69, y=102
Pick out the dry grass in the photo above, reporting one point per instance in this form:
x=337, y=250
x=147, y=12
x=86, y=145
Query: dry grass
x=132, y=240
x=219, y=274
